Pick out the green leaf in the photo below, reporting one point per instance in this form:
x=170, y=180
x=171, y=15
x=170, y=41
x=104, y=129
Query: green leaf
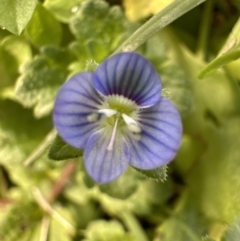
x=182, y=231
x=14, y=52
x=95, y=20
x=233, y=232
x=229, y=52
x=176, y=88
x=106, y=231
x=176, y=85
x=122, y=187
x=185, y=220
x=19, y=132
x=148, y=195
x=41, y=79
x=22, y=218
x=158, y=174
x=44, y=29
x=216, y=116
x=63, y=10
x=14, y=15
x=60, y=150
x=57, y=232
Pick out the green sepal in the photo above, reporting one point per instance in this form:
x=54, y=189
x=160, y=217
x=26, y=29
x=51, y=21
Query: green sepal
x=60, y=150
x=233, y=232
x=158, y=174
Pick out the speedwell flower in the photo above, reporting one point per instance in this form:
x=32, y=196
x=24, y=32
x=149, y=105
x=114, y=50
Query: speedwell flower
x=117, y=115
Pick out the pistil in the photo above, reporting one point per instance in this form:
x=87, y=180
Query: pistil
x=110, y=145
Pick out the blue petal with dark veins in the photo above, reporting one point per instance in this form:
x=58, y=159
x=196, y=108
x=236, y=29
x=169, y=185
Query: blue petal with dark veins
x=76, y=100
x=130, y=75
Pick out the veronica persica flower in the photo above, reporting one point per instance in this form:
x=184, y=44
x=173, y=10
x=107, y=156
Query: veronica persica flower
x=118, y=116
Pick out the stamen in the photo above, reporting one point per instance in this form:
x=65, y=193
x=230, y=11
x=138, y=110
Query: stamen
x=131, y=124
x=110, y=145
x=96, y=117
x=101, y=115
x=108, y=112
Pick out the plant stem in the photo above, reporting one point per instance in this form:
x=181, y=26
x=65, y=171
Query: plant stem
x=44, y=228
x=133, y=225
x=59, y=186
x=157, y=22
x=205, y=29
x=42, y=202
x=41, y=148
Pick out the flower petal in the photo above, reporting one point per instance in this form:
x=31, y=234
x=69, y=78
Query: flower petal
x=161, y=136
x=131, y=75
x=76, y=100
x=104, y=165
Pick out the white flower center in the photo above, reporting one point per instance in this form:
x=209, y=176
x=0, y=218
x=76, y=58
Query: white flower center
x=119, y=112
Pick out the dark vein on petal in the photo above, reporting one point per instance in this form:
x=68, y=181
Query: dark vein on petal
x=158, y=141
x=139, y=92
x=123, y=72
x=162, y=121
x=91, y=96
x=72, y=113
x=159, y=129
x=132, y=87
x=81, y=134
x=137, y=153
x=99, y=82
x=130, y=77
x=107, y=79
x=63, y=102
x=72, y=125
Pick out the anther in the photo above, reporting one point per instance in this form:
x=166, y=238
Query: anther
x=96, y=117
x=132, y=125
x=101, y=115
x=108, y=112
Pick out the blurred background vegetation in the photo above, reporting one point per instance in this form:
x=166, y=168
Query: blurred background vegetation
x=196, y=197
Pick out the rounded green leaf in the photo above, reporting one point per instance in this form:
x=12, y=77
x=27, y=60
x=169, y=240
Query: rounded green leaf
x=44, y=29
x=15, y=14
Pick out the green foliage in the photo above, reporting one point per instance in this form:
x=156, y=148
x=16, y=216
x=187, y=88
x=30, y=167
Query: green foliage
x=44, y=29
x=63, y=10
x=176, y=86
x=195, y=198
x=41, y=78
x=97, y=20
x=107, y=231
x=229, y=52
x=188, y=224
x=123, y=187
x=19, y=135
x=60, y=150
x=20, y=220
x=158, y=174
x=15, y=15
x=233, y=232
x=14, y=52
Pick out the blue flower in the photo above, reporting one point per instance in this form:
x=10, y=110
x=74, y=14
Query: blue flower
x=118, y=116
